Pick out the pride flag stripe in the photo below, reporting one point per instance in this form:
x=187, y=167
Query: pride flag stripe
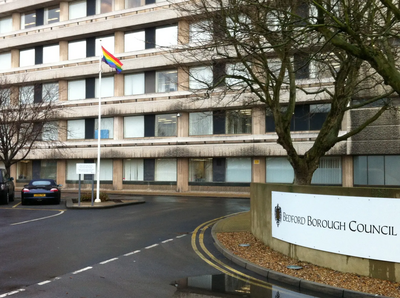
x=112, y=61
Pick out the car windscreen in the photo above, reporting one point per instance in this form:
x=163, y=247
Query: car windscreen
x=41, y=183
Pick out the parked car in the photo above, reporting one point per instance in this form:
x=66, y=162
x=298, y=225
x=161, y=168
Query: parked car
x=40, y=190
x=7, y=187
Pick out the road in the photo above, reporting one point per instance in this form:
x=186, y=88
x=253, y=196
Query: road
x=132, y=251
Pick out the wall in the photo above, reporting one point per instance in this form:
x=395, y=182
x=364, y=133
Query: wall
x=260, y=199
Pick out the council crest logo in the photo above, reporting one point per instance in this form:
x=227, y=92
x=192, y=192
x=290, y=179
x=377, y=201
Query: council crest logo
x=278, y=214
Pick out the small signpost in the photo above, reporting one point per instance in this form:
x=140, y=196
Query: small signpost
x=85, y=168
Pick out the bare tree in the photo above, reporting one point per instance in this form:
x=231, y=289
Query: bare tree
x=28, y=116
x=268, y=52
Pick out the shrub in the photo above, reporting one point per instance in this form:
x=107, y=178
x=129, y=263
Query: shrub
x=87, y=196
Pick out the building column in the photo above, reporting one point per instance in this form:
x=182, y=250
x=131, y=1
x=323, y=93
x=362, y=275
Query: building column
x=183, y=79
x=63, y=50
x=64, y=11
x=62, y=90
x=183, y=33
x=118, y=128
x=13, y=172
x=119, y=42
x=258, y=120
x=347, y=171
x=259, y=170
x=119, y=5
x=61, y=172
x=14, y=95
x=118, y=85
x=182, y=183
x=14, y=58
x=117, y=174
x=16, y=21
x=182, y=124
x=62, y=130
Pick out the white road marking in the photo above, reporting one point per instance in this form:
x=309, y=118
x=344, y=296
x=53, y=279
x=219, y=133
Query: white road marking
x=151, y=246
x=84, y=269
x=12, y=293
x=131, y=253
x=108, y=261
x=44, y=282
x=181, y=236
x=37, y=219
x=168, y=240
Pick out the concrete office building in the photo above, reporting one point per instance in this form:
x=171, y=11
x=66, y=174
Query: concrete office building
x=154, y=138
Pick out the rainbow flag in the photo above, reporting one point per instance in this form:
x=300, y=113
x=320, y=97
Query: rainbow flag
x=111, y=60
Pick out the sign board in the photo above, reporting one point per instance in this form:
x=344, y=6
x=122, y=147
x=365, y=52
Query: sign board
x=86, y=168
x=354, y=226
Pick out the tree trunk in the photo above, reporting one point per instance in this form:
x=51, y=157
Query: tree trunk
x=304, y=169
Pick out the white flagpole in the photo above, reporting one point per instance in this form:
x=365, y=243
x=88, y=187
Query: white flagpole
x=99, y=133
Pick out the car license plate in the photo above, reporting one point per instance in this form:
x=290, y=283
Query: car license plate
x=39, y=195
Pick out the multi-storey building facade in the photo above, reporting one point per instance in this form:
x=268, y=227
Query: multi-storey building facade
x=153, y=136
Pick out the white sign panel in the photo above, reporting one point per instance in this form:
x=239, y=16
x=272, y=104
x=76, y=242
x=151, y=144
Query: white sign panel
x=354, y=226
x=86, y=168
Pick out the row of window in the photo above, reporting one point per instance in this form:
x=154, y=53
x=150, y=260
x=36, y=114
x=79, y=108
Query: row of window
x=76, y=9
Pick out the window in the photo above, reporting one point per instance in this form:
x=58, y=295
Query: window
x=107, y=128
x=5, y=61
x=76, y=90
x=200, y=170
x=166, y=81
x=104, y=6
x=236, y=69
x=50, y=92
x=5, y=25
x=165, y=125
x=24, y=170
x=134, y=127
x=52, y=15
x=133, y=170
x=28, y=20
x=107, y=42
x=77, y=50
x=27, y=57
x=134, y=84
x=238, y=121
x=238, y=170
x=77, y=9
x=48, y=169
x=51, y=54
x=5, y=96
x=200, y=77
x=132, y=3
x=166, y=36
x=200, y=123
x=76, y=129
x=279, y=170
x=36, y=169
x=26, y=94
x=135, y=41
x=50, y=131
x=107, y=87
x=200, y=32
x=106, y=170
x=165, y=170
x=377, y=170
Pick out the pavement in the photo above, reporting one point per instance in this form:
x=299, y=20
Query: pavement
x=239, y=223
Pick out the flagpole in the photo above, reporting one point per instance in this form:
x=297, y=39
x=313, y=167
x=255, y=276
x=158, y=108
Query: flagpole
x=99, y=133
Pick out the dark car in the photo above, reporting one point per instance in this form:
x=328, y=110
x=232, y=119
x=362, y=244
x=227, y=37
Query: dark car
x=41, y=190
x=6, y=187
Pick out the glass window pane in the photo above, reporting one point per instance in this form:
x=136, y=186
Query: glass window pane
x=279, y=170
x=104, y=6
x=165, y=170
x=200, y=170
x=134, y=127
x=107, y=87
x=134, y=84
x=201, y=123
x=135, y=41
x=50, y=131
x=27, y=57
x=236, y=69
x=51, y=54
x=238, y=121
x=28, y=20
x=166, y=81
x=77, y=9
x=26, y=94
x=5, y=61
x=238, y=169
x=52, y=15
x=360, y=170
x=392, y=166
x=200, y=32
x=71, y=170
x=165, y=125
x=200, y=77
x=132, y=3
x=107, y=43
x=329, y=171
x=166, y=36
x=76, y=129
x=133, y=170
x=48, y=169
x=5, y=25
x=107, y=128
x=50, y=92
x=376, y=171
x=76, y=90
x=77, y=49
x=106, y=170
x=24, y=170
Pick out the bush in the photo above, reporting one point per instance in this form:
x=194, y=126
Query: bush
x=87, y=196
